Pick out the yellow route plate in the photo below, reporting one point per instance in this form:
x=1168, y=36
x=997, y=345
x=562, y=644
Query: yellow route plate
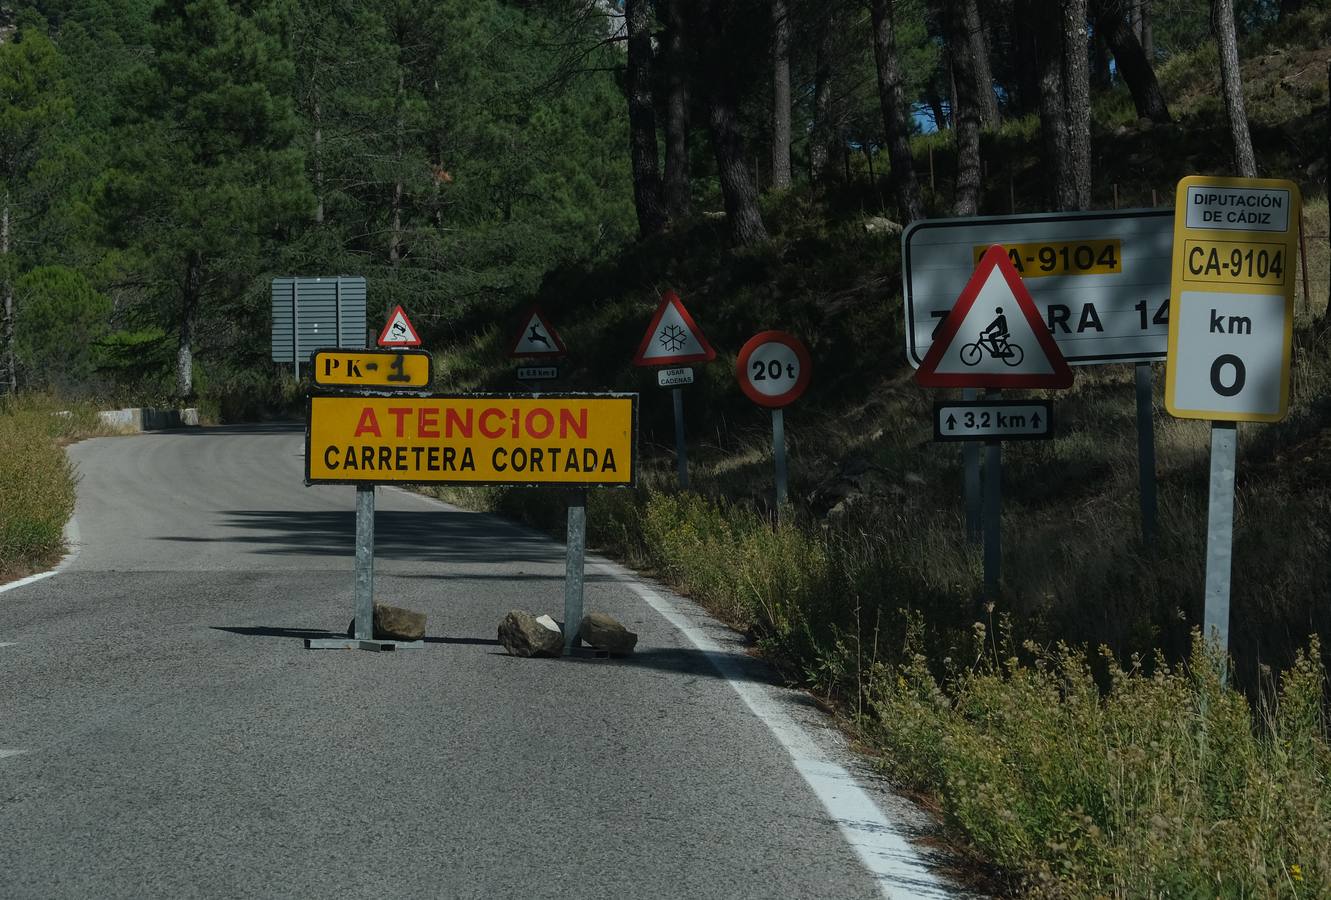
x=1041, y=260
x=575, y=440
x=1232, y=298
x=378, y=369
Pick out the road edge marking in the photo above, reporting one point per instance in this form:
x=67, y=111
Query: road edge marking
x=898, y=869
x=71, y=541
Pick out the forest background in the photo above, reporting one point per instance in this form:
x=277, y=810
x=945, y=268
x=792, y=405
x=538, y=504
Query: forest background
x=161, y=162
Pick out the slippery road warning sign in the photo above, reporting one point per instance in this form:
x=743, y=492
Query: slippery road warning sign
x=577, y=440
x=398, y=332
x=537, y=338
x=673, y=338
x=1235, y=246
x=994, y=337
x=403, y=369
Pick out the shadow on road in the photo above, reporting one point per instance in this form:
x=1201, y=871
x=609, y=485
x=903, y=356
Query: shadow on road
x=423, y=536
x=315, y=633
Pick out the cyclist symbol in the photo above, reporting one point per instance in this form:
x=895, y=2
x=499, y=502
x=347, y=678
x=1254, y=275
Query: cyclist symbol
x=993, y=340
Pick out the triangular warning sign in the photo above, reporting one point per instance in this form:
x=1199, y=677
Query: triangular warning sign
x=994, y=337
x=399, y=332
x=537, y=337
x=673, y=338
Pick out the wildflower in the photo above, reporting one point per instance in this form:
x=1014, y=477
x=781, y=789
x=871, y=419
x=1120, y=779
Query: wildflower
x=1296, y=872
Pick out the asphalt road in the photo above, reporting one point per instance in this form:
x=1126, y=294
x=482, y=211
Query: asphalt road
x=164, y=733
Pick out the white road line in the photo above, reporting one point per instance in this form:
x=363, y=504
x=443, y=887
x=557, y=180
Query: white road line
x=8, y=644
x=899, y=870
x=8, y=753
x=71, y=541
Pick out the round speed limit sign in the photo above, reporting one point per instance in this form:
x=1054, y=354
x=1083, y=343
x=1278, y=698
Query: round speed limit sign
x=773, y=369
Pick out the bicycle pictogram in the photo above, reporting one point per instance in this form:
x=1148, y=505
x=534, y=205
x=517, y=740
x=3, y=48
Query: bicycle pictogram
x=994, y=341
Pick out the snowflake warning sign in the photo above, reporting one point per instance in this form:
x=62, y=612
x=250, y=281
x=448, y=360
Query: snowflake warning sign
x=673, y=338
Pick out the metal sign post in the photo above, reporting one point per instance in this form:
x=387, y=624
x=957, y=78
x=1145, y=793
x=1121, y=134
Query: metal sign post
x=779, y=455
x=1220, y=532
x=574, y=569
x=993, y=511
x=364, y=562
x=681, y=448
x=1146, y=452
x=970, y=459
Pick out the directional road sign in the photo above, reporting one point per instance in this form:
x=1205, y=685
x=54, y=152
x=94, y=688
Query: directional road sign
x=994, y=337
x=537, y=337
x=1235, y=248
x=1008, y=420
x=398, y=331
x=576, y=440
x=773, y=369
x=1100, y=280
x=673, y=338
x=404, y=369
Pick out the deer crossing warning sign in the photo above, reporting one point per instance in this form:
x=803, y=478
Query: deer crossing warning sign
x=577, y=440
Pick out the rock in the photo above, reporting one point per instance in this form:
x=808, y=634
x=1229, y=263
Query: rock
x=604, y=633
x=393, y=623
x=522, y=634
x=880, y=225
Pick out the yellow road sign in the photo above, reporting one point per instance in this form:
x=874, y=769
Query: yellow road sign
x=1232, y=290
x=576, y=440
x=407, y=369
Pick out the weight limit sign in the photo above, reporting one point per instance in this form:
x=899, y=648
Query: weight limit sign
x=773, y=369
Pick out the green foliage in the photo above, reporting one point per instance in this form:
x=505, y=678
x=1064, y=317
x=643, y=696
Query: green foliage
x=136, y=365
x=60, y=320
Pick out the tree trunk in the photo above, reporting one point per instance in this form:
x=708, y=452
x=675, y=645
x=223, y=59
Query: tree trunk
x=318, y=162
x=986, y=99
x=1077, y=99
x=1326, y=313
x=1133, y=64
x=823, y=135
x=1053, y=122
x=678, y=190
x=647, y=195
x=1222, y=20
x=780, y=95
x=1026, y=43
x=966, y=113
x=395, y=213
x=896, y=124
x=1144, y=36
x=189, y=310
x=8, y=373
x=1102, y=78
x=935, y=103
x=741, y=196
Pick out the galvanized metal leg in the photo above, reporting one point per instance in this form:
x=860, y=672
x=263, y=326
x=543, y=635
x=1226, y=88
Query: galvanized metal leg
x=681, y=449
x=574, y=568
x=970, y=459
x=364, y=562
x=779, y=454
x=1146, y=451
x=1220, y=533
x=993, y=517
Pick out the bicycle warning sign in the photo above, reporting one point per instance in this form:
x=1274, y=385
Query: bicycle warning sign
x=994, y=336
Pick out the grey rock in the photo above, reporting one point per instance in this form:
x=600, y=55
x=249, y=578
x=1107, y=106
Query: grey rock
x=604, y=633
x=393, y=623
x=880, y=225
x=522, y=634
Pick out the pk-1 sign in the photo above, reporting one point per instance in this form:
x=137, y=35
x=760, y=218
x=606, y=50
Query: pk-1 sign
x=400, y=369
x=574, y=440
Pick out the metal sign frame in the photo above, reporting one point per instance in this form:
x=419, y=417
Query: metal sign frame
x=632, y=481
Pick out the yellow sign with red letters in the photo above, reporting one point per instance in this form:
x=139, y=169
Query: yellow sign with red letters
x=573, y=440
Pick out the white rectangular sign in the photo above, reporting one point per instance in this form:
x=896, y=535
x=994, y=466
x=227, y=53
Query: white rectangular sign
x=1238, y=209
x=1100, y=279
x=977, y=420
x=674, y=377
x=537, y=373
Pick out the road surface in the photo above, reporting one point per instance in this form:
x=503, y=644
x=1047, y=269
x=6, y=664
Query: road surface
x=164, y=733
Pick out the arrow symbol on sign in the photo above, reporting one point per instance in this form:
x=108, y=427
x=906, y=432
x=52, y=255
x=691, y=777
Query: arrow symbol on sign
x=1035, y=421
x=951, y=422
